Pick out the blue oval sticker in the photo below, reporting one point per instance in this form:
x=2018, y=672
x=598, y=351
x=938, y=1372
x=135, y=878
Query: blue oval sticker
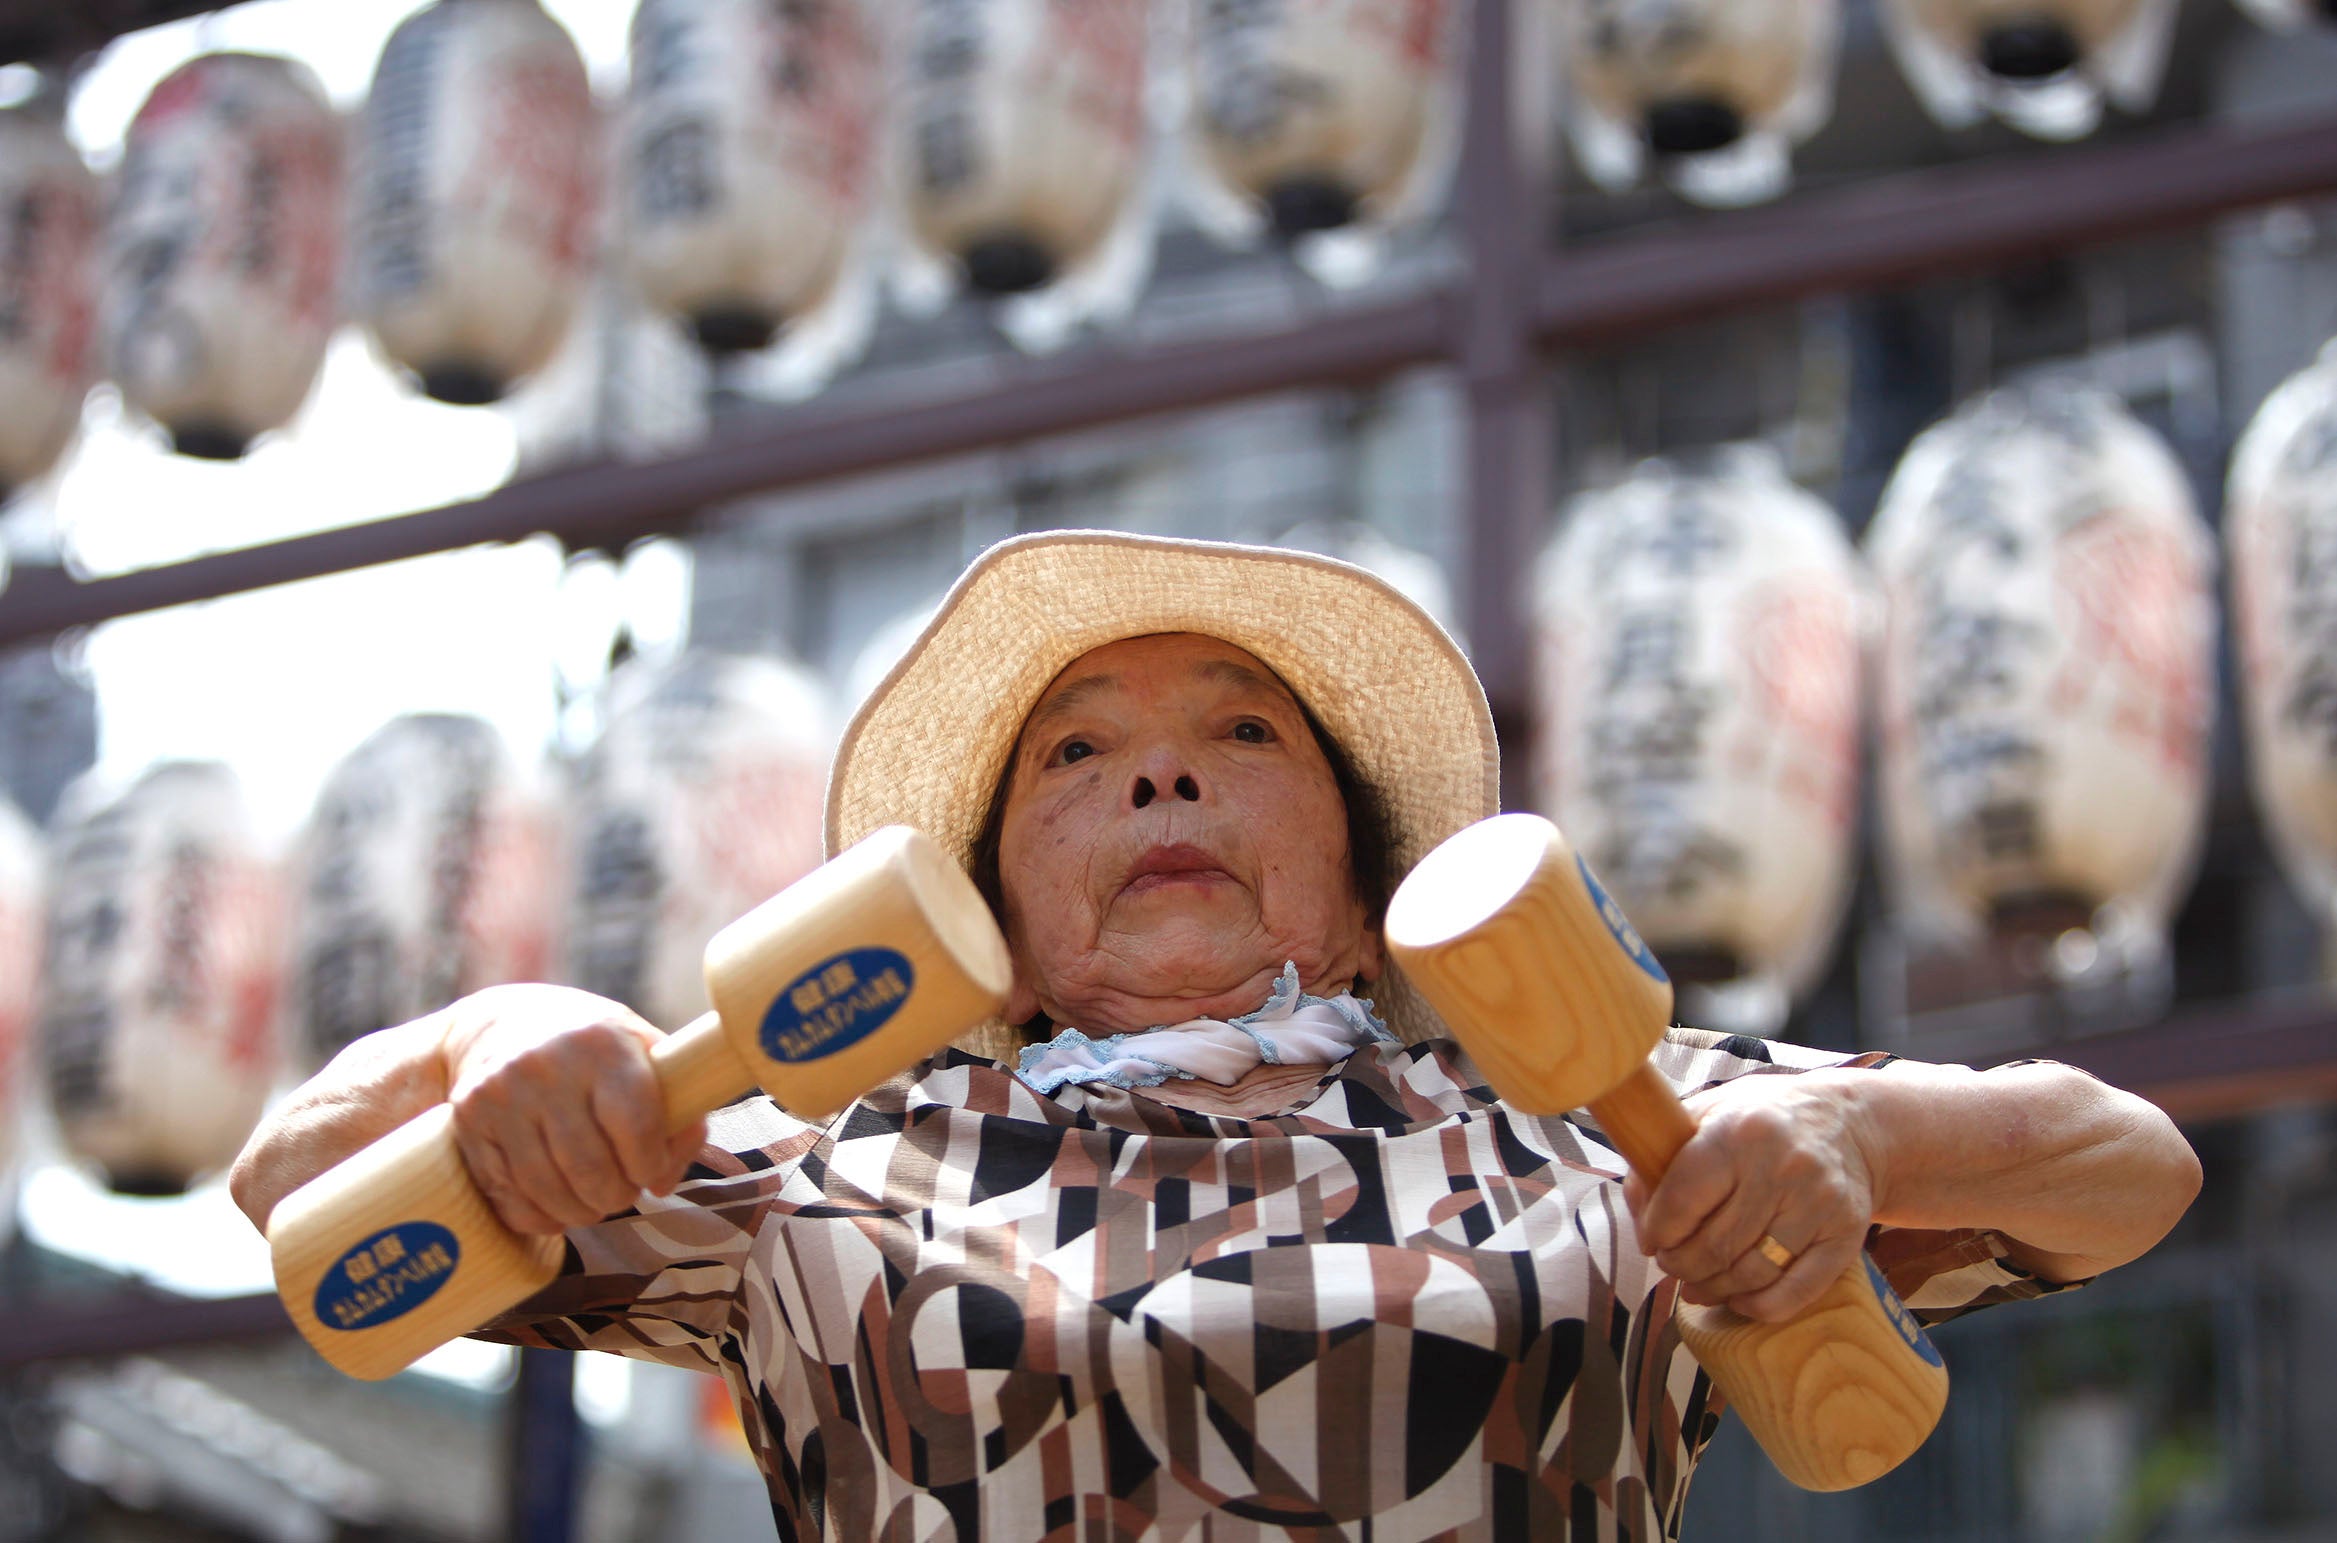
x=387, y=1276
x=1901, y=1319
x=837, y=1002
x=1618, y=923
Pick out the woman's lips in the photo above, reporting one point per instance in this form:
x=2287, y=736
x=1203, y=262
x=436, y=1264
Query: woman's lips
x=1173, y=867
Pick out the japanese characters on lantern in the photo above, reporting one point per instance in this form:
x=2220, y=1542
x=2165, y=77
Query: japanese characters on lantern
x=1021, y=135
x=1715, y=92
x=2045, y=68
x=49, y=219
x=425, y=874
x=223, y=250
x=477, y=194
x=748, y=159
x=1698, y=644
x=1317, y=114
x=702, y=799
x=2047, y=683
x=158, y=992
x=2280, y=530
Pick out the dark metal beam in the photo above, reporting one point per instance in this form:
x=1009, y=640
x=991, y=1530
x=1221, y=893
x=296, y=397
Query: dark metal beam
x=1920, y=225
x=607, y=504
x=2231, y=1059
x=1508, y=459
x=1894, y=231
x=133, y=1323
x=53, y=33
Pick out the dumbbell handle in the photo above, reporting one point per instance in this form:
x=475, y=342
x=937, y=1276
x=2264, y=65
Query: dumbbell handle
x=697, y=1072
x=1838, y=1396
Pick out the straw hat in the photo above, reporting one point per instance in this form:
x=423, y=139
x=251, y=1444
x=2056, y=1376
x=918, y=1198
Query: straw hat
x=928, y=745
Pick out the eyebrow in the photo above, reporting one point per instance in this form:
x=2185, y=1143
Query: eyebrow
x=1067, y=699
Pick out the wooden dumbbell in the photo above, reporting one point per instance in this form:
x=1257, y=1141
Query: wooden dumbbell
x=866, y=966
x=1509, y=936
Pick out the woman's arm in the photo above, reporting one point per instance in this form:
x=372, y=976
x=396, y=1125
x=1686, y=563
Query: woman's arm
x=2076, y=1175
x=555, y=1107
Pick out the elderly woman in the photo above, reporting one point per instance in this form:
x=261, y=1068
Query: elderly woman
x=1218, y=1235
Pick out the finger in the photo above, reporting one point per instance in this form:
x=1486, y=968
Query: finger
x=1723, y=1255
x=1793, y=1292
x=491, y=1173
x=1698, y=1183
x=580, y=1150
x=1635, y=1201
x=682, y=1150
x=626, y=1104
x=1753, y=1270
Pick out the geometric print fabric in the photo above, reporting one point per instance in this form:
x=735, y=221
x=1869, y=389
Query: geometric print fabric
x=1395, y=1311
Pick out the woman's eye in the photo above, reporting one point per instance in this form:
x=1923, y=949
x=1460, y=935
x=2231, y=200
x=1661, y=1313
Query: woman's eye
x=1073, y=750
x=1251, y=732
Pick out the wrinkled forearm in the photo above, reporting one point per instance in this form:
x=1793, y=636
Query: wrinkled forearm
x=2077, y=1175
x=370, y=1089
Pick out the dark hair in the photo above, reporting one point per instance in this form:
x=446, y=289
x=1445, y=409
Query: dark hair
x=1369, y=843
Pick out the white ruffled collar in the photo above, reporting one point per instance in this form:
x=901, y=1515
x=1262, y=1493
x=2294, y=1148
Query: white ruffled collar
x=1292, y=1029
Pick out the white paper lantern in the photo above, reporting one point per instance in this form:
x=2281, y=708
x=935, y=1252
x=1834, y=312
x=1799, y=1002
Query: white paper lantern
x=1022, y=132
x=1698, y=637
x=1322, y=113
x=48, y=292
x=1716, y=91
x=748, y=158
x=2043, y=66
x=223, y=250
x=20, y=972
x=702, y=799
x=157, y=1020
x=2280, y=523
x=477, y=192
x=2047, y=686
x=425, y=874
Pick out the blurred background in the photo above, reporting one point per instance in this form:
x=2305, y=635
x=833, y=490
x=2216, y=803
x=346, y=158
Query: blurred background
x=465, y=462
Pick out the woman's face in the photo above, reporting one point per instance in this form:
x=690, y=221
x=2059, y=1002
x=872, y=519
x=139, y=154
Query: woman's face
x=1171, y=835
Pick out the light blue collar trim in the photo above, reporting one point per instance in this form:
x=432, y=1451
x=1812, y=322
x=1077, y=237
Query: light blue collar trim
x=1120, y=1060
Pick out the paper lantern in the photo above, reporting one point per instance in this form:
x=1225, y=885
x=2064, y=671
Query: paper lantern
x=1322, y=113
x=20, y=973
x=48, y=292
x=1716, y=91
x=2280, y=523
x=1022, y=132
x=702, y=799
x=2047, y=685
x=1698, y=644
x=2043, y=66
x=223, y=250
x=159, y=994
x=748, y=165
x=477, y=190
x=425, y=874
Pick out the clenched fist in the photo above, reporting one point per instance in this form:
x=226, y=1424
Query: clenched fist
x=1782, y=1157
x=556, y=1107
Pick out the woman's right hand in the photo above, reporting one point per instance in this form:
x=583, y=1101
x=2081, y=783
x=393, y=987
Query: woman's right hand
x=556, y=1107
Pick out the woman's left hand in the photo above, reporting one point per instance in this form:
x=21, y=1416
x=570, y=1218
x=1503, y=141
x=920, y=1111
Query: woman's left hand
x=1781, y=1157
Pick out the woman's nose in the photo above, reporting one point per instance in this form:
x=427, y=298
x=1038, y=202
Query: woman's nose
x=1162, y=777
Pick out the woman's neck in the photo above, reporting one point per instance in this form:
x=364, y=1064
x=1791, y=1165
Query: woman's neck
x=1262, y=1090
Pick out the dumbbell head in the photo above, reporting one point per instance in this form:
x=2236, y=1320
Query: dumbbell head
x=1511, y=938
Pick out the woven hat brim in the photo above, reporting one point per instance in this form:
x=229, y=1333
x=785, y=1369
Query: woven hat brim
x=928, y=745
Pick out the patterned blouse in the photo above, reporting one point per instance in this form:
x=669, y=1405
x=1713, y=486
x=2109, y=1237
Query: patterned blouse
x=966, y=1310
